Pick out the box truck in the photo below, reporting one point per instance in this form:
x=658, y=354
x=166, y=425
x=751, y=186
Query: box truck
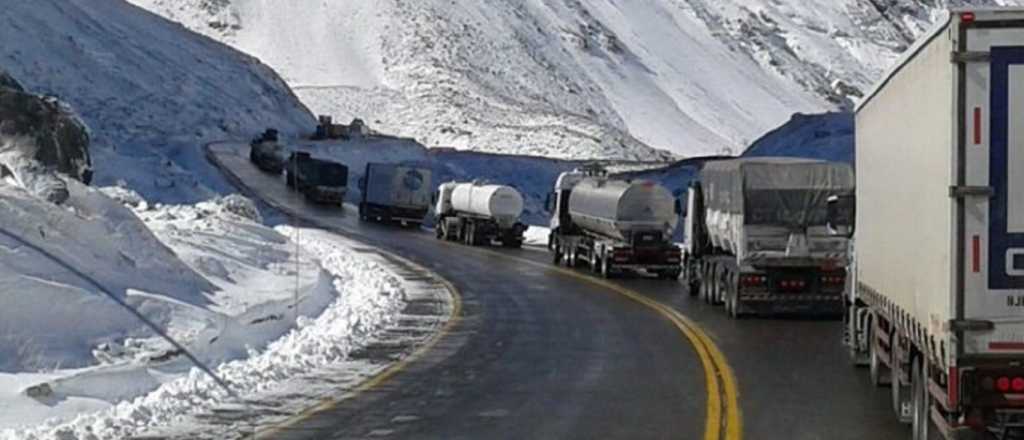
x=392, y=192
x=938, y=309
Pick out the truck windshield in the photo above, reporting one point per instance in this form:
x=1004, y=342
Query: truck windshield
x=793, y=208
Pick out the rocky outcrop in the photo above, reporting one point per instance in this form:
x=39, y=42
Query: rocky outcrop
x=39, y=137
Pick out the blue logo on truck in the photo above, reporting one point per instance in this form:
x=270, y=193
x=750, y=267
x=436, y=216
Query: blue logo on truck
x=1006, y=249
x=412, y=180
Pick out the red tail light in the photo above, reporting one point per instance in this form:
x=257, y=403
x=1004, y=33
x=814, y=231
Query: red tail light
x=968, y=17
x=1003, y=384
x=753, y=280
x=1017, y=384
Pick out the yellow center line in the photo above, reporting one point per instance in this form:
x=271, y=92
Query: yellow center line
x=718, y=375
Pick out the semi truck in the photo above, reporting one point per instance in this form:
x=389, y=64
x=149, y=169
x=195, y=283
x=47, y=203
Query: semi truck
x=478, y=213
x=266, y=153
x=613, y=226
x=937, y=314
x=396, y=193
x=761, y=236
x=320, y=181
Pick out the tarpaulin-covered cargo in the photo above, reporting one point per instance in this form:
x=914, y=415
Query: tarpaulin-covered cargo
x=771, y=207
x=777, y=191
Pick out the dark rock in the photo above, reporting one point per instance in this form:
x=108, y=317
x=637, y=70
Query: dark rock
x=45, y=131
x=8, y=81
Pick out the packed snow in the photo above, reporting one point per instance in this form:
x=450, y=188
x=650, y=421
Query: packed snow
x=576, y=79
x=212, y=277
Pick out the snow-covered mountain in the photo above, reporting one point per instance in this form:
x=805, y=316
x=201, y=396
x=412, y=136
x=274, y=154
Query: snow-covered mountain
x=570, y=78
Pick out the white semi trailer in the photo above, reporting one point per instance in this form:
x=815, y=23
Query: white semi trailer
x=938, y=309
x=477, y=213
x=613, y=225
x=395, y=193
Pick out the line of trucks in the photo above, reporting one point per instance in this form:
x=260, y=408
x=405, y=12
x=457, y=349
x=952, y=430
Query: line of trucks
x=921, y=251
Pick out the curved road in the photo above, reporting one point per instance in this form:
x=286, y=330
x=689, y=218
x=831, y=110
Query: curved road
x=540, y=354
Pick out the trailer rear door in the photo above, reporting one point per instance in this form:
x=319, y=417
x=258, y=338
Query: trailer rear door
x=990, y=63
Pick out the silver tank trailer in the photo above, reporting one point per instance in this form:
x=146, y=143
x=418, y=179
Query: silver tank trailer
x=615, y=208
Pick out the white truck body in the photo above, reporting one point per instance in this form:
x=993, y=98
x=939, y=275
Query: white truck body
x=501, y=203
x=477, y=213
x=397, y=185
x=931, y=127
x=940, y=219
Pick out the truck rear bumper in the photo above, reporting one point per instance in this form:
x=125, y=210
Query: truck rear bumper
x=812, y=304
x=394, y=213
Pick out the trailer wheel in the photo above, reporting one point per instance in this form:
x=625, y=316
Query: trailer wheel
x=439, y=232
x=606, y=270
x=922, y=425
x=556, y=254
x=732, y=298
x=595, y=265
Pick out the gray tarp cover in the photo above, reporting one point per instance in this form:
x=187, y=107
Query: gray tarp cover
x=774, y=190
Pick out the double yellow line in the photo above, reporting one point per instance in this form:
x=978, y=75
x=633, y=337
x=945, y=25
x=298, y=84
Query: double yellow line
x=724, y=421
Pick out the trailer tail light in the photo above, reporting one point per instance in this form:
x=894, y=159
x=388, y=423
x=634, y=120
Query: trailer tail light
x=793, y=284
x=1003, y=384
x=753, y=280
x=968, y=17
x=833, y=279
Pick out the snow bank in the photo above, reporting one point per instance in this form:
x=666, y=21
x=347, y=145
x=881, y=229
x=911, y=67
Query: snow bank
x=369, y=299
x=52, y=316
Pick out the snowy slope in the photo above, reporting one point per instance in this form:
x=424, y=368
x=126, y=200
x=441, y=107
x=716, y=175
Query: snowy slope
x=150, y=91
x=573, y=78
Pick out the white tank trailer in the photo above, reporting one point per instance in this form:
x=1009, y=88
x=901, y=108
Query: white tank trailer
x=477, y=213
x=769, y=235
x=614, y=226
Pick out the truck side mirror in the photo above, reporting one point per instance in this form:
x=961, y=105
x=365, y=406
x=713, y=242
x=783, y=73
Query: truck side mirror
x=433, y=198
x=362, y=183
x=839, y=213
x=679, y=208
x=549, y=203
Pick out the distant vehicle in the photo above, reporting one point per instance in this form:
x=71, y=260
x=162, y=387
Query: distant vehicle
x=266, y=153
x=321, y=181
x=759, y=238
x=477, y=214
x=395, y=193
x=938, y=309
x=613, y=225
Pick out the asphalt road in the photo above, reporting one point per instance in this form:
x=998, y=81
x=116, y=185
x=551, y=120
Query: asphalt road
x=538, y=354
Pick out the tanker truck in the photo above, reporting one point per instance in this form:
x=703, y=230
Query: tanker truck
x=477, y=213
x=613, y=226
x=769, y=235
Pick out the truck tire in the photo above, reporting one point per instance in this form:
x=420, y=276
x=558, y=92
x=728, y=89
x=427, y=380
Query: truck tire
x=362, y=212
x=922, y=421
x=732, y=298
x=606, y=269
x=556, y=254
x=438, y=231
x=595, y=265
